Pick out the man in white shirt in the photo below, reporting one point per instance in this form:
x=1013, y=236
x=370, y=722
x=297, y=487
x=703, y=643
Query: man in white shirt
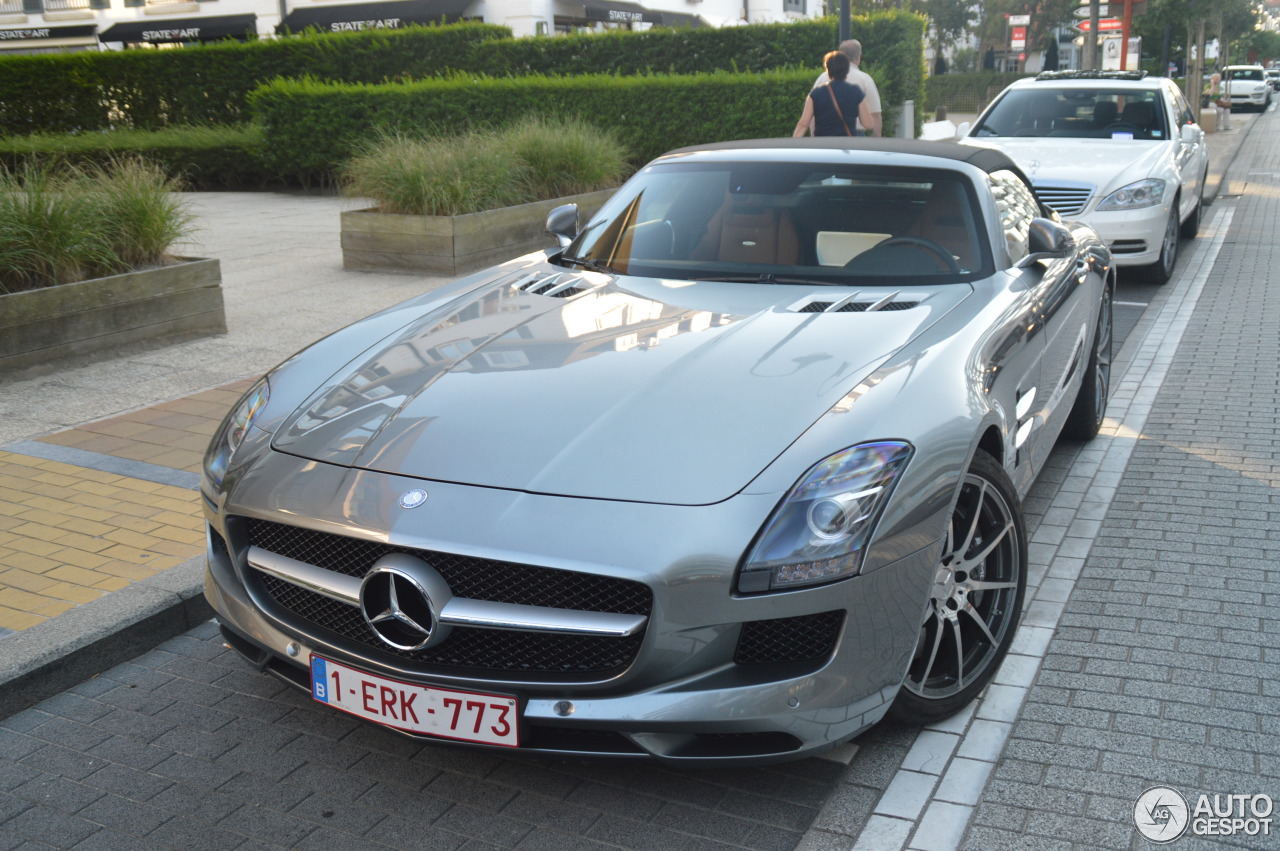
x=853, y=49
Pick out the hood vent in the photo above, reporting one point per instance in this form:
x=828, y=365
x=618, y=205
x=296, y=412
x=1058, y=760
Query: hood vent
x=856, y=303
x=553, y=284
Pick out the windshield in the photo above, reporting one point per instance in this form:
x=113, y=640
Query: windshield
x=1254, y=74
x=1077, y=114
x=787, y=223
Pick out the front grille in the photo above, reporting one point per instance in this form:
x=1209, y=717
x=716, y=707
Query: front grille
x=467, y=650
x=500, y=654
x=1064, y=200
x=473, y=578
x=799, y=639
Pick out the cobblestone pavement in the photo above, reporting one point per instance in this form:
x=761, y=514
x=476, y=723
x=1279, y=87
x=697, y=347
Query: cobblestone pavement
x=1148, y=655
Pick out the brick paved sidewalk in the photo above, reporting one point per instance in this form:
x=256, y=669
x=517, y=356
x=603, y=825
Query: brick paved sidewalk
x=1165, y=666
x=92, y=509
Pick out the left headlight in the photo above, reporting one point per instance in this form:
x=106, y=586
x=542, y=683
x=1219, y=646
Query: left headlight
x=231, y=433
x=819, y=532
x=1144, y=193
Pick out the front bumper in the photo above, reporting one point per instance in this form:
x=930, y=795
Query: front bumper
x=686, y=696
x=1134, y=236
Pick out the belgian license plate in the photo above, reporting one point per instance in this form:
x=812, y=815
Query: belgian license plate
x=491, y=719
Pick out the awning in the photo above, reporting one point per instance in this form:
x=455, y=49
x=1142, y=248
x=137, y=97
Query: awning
x=390, y=15
x=46, y=33
x=622, y=12
x=174, y=30
x=618, y=12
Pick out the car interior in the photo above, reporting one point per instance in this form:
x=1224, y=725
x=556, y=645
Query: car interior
x=754, y=221
x=1078, y=114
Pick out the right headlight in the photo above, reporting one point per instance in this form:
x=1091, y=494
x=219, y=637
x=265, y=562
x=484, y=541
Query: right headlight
x=1144, y=193
x=231, y=433
x=819, y=532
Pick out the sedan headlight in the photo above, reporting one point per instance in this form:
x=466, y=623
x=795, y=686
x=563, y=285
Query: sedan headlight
x=232, y=431
x=1144, y=193
x=820, y=531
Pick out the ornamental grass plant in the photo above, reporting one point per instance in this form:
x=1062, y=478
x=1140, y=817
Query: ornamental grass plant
x=533, y=160
x=61, y=223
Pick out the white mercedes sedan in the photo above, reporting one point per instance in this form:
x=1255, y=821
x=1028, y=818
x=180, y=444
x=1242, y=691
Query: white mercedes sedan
x=1120, y=151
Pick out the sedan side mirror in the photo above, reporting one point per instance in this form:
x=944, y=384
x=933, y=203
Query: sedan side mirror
x=1046, y=240
x=1188, y=133
x=562, y=223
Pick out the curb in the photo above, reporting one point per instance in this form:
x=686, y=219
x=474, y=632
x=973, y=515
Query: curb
x=84, y=641
x=1218, y=179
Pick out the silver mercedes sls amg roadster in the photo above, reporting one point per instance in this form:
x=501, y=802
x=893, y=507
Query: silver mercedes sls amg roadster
x=731, y=474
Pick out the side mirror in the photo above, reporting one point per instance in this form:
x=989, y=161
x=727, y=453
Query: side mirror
x=963, y=129
x=1188, y=133
x=562, y=223
x=1046, y=240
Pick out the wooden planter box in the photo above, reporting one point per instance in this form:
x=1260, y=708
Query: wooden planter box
x=451, y=245
x=41, y=327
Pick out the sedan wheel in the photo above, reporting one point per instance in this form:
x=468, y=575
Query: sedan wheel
x=975, y=602
x=1162, y=270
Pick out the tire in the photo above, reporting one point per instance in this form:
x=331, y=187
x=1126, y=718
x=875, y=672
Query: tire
x=976, y=600
x=1191, y=227
x=1161, y=271
x=1090, y=407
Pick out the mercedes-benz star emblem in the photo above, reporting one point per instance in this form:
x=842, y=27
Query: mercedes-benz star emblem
x=401, y=599
x=413, y=498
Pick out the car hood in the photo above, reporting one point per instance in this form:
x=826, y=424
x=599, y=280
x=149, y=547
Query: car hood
x=623, y=388
x=1106, y=164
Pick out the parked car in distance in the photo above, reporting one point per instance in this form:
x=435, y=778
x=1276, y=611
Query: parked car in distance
x=1273, y=78
x=1120, y=151
x=1247, y=87
x=727, y=476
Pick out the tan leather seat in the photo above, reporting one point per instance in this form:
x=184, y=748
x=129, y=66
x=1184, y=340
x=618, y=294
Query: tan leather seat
x=945, y=220
x=750, y=232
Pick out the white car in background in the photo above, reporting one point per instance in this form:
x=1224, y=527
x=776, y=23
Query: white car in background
x=1119, y=151
x=1247, y=86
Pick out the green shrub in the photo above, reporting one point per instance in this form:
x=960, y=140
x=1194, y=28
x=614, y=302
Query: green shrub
x=201, y=157
x=534, y=159
x=565, y=157
x=311, y=127
x=965, y=92
x=208, y=84
x=436, y=177
x=205, y=85
x=59, y=225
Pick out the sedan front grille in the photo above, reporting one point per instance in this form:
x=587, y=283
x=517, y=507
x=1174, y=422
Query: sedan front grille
x=1064, y=199
x=473, y=651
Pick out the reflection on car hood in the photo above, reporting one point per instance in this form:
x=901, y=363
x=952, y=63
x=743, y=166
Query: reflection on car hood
x=590, y=386
x=1107, y=164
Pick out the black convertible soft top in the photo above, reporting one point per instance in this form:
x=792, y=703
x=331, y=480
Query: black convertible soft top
x=987, y=159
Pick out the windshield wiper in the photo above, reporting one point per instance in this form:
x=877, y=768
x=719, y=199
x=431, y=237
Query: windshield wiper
x=591, y=263
x=769, y=278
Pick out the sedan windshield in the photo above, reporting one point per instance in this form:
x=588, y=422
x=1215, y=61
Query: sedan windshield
x=788, y=223
x=1078, y=114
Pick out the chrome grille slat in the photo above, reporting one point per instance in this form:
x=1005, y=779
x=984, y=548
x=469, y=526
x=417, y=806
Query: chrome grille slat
x=1065, y=200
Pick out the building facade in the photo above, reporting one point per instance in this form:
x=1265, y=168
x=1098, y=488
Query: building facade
x=44, y=26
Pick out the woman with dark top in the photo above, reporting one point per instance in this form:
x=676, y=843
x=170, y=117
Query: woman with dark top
x=831, y=110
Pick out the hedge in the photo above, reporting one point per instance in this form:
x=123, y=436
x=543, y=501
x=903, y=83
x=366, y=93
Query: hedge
x=208, y=84
x=201, y=157
x=312, y=126
x=965, y=92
